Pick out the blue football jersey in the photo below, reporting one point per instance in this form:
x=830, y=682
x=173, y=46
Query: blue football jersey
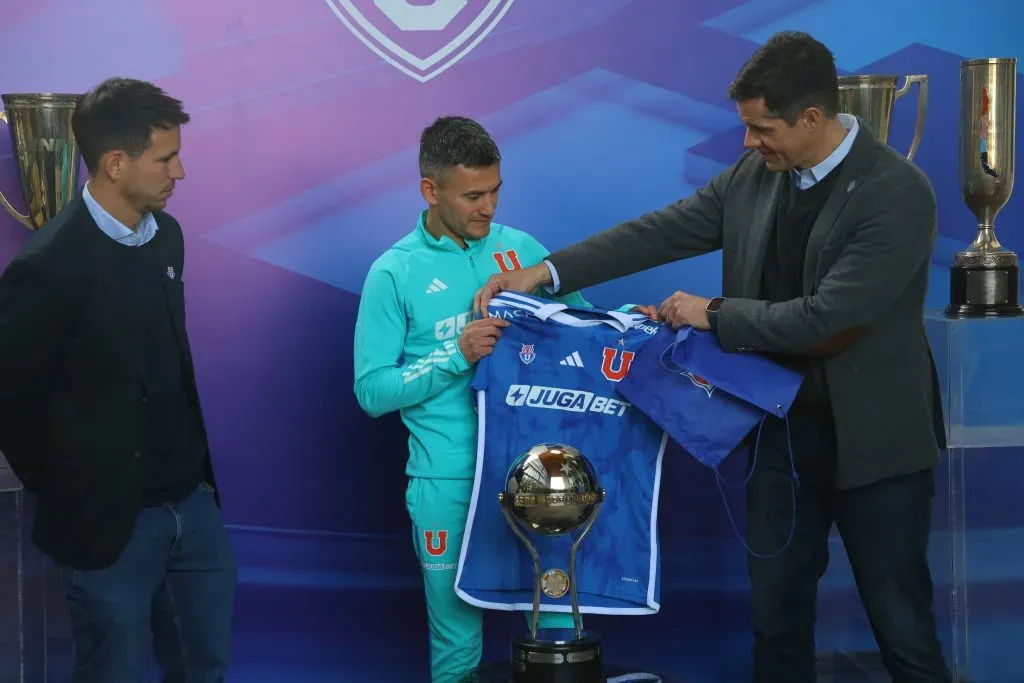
x=552, y=378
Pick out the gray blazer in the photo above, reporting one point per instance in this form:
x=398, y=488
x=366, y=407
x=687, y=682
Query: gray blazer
x=862, y=309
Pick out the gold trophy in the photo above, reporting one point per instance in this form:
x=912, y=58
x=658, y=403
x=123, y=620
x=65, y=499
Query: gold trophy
x=44, y=146
x=871, y=98
x=985, y=278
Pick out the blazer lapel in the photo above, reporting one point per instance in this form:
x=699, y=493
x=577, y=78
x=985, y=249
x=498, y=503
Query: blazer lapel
x=858, y=162
x=761, y=223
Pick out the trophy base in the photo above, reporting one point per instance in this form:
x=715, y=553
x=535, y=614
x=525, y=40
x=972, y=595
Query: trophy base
x=501, y=672
x=984, y=292
x=984, y=310
x=552, y=659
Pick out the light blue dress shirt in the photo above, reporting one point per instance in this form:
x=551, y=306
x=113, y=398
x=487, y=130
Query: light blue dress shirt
x=115, y=229
x=803, y=178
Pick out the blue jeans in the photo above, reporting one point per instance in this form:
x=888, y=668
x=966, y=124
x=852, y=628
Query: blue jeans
x=175, y=580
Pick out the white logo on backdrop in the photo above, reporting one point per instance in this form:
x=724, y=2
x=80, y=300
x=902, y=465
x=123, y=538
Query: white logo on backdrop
x=438, y=16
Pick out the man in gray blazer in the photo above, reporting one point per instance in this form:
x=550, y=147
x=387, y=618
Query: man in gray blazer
x=826, y=236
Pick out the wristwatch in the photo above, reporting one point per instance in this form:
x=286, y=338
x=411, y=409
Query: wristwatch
x=712, y=311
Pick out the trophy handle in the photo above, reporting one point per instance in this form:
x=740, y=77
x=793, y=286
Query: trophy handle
x=922, y=108
x=21, y=218
x=505, y=501
x=577, y=622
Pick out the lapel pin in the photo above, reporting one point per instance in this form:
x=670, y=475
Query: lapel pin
x=853, y=184
x=170, y=272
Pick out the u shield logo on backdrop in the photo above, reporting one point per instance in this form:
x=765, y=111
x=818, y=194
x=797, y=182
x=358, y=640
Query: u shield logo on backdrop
x=420, y=40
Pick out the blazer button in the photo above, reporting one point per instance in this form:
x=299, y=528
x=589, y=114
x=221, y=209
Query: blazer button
x=138, y=454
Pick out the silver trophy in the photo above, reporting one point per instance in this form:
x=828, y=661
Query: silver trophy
x=552, y=490
x=48, y=157
x=871, y=98
x=985, y=278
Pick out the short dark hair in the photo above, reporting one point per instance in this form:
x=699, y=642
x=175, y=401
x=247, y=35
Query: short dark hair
x=791, y=71
x=452, y=141
x=122, y=113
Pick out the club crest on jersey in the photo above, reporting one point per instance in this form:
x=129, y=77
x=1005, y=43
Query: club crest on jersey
x=527, y=354
x=507, y=260
x=615, y=363
x=435, y=543
x=700, y=382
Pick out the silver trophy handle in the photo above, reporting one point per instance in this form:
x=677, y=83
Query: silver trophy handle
x=503, y=498
x=577, y=622
x=15, y=214
x=922, y=108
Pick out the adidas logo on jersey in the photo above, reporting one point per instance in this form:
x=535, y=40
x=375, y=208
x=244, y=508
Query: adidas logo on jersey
x=573, y=360
x=436, y=286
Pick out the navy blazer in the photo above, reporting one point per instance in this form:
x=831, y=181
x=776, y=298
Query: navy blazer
x=72, y=420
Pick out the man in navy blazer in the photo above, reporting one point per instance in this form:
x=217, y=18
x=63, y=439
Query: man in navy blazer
x=99, y=412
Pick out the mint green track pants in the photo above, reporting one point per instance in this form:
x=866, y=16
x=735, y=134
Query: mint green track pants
x=438, y=509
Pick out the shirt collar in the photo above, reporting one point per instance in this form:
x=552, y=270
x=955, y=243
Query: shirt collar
x=807, y=177
x=115, y=229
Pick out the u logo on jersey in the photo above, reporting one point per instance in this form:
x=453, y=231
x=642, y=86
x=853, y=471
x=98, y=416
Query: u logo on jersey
x=507, y=260
x=435, y=545
x=699, y=381
x=615, y=363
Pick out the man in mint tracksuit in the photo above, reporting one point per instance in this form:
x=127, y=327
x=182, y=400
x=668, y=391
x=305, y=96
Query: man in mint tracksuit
x=416, y=343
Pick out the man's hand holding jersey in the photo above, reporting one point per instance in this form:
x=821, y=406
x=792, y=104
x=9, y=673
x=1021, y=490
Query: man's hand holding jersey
x=684, y=309
x=648, y=310
x=526, y=280
x=529, y=280
x=479, y=337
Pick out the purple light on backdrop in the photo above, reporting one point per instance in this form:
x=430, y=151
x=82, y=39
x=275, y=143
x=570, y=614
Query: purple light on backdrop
x=138, y=38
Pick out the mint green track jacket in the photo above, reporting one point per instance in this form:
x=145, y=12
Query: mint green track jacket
x=417, y=298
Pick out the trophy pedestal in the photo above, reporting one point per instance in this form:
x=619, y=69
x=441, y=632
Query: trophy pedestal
x=557, y=656
x=984, y=292
x=27, y=629
x=976, y=549
x=977, y=566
